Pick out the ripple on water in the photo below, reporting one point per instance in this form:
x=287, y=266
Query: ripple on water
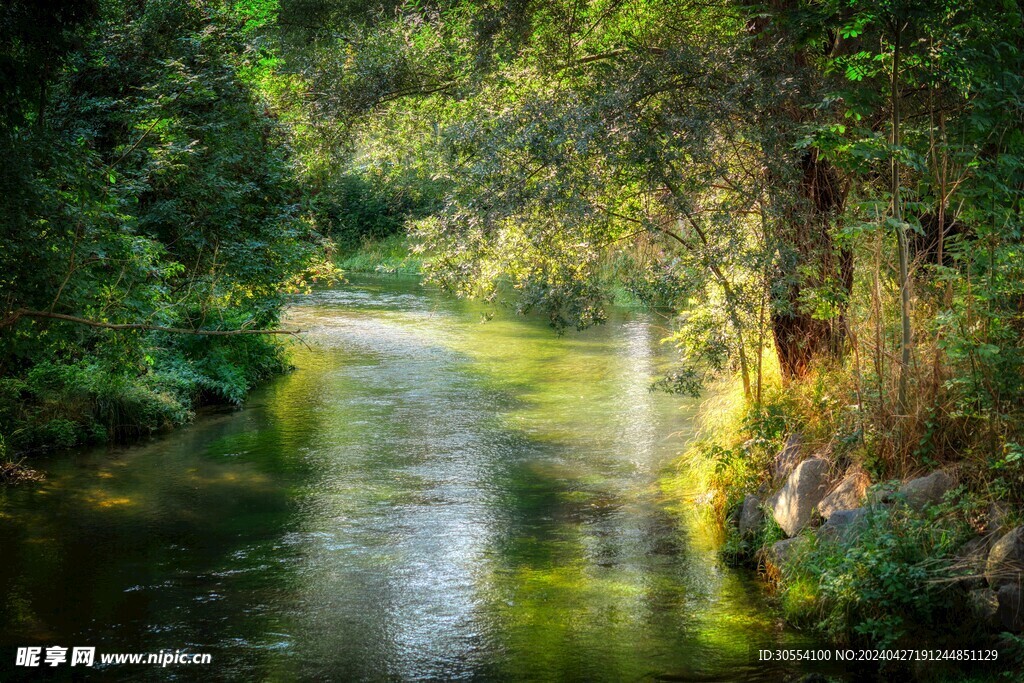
x=425, y=497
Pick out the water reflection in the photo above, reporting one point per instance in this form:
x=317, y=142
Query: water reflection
x=426, y=497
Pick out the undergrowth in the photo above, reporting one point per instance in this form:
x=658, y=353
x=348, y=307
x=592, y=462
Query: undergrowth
x=63, y=403
x=885, y=587
x=896, y=579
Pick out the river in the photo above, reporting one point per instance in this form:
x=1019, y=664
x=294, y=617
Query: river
x=434, y=493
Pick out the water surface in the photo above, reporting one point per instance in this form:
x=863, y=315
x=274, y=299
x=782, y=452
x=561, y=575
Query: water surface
x=428, y=496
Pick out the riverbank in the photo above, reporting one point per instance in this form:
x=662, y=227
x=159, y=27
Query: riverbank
x=65, y=404
x=861, y=550
x=388, y=256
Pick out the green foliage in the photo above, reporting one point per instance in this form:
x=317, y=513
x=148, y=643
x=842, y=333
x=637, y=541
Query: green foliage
x=649, y=281
x=392, y=255
x=1006, y=469
x=61, y=405
x=736, y=169
x=58, y=406
x=879, y=589
x=362, y=211
x=151, y=182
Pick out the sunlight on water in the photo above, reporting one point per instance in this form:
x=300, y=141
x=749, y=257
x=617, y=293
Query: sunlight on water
x=428, y=496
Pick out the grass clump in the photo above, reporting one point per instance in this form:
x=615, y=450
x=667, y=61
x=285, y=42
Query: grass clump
x=735, y=448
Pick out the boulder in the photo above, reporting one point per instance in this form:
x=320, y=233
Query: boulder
x=1005, y=564
x=995, y=517
x=781, y=551
x=970, y=561
x=794, y=504
x=1010, y=612
x=844, y=525
x=751, y=516
x=788, y=458
x=983, y=604
x=849, y=494
x=977, y=548
x=924, y=491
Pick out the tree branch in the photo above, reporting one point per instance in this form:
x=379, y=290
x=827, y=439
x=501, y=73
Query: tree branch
x=26, y=313
x=612, y=54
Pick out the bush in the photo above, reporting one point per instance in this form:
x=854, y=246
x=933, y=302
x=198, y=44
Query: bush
x=356, y=209
x=59, y=405
x=873, y=589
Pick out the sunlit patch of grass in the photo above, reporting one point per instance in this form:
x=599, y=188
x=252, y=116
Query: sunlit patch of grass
x=392, y=255
x=728, y=458
x=800, y=600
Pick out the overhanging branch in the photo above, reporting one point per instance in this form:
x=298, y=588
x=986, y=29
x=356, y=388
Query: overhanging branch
x=27, y=313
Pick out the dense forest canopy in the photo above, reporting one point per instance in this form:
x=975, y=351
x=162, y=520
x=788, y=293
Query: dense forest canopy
x=805, y=187
x=147, y=182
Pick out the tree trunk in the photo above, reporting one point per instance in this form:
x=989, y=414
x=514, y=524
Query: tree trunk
x=809, y=208
x=901, y=230
x=809, y=259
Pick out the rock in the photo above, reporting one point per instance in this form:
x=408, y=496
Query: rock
x=844, y=525
x=788, y=458
x=983, y=604
x=793, y=505
x=1005, y=564
x=751, y=516
x=977, y=547
x=924, y=491
x=1010, y=612
x=970, y=562
x=781, y=551
x=849, y=494
x=995, y=518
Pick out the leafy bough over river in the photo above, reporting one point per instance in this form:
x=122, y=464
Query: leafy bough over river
x=428, y=496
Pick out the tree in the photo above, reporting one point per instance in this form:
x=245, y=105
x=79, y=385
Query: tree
x=153, y=223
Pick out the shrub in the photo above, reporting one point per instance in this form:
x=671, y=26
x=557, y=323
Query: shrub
x=59, y=405
x=870, y=590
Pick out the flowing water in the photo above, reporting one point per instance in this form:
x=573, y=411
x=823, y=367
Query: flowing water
x=428, y=496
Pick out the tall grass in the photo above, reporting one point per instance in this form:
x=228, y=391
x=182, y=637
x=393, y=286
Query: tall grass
x=391, y=255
